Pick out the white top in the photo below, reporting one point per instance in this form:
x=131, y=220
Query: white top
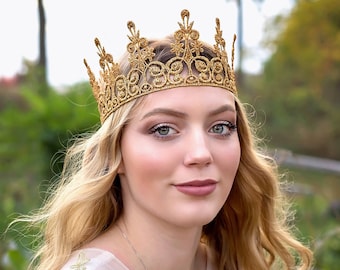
x=95, y=259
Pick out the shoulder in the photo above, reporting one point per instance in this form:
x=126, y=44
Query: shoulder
x=93, y=259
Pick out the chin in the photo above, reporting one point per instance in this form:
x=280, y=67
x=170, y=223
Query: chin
x=197, y=219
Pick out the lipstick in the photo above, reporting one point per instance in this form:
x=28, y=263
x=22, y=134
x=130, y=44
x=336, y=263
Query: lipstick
x=197, y=187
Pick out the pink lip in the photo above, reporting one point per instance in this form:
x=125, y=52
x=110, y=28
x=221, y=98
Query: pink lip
x=197, y=187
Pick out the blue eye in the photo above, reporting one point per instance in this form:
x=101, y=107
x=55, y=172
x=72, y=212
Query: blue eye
x=224, y=128
x=162, y=130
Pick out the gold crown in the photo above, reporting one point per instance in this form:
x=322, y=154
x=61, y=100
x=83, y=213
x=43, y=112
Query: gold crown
x=147, y=75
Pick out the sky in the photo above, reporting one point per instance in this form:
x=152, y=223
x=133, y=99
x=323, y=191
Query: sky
x=72, y=25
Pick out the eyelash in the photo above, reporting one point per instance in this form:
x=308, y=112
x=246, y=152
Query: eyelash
x=230, y=126
x=155, y=130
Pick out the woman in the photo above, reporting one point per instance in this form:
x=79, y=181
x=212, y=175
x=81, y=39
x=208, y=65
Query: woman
x=173, y=178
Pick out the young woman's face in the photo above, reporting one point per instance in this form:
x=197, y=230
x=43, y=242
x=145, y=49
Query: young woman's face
x=180, y=155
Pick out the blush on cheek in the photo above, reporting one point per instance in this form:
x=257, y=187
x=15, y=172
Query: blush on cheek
x=147, y=163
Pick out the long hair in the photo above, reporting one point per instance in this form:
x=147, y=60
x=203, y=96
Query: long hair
x=252, y=229
x=249, y=232
x=87, y=198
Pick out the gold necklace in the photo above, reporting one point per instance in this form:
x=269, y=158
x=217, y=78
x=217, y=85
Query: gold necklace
x=133, y=248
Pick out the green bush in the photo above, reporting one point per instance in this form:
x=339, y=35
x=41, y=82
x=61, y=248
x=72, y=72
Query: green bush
x=33, y=137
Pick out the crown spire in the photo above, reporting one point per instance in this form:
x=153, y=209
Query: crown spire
x=147, y=75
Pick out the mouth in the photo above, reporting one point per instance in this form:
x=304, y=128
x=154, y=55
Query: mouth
x=197, y=187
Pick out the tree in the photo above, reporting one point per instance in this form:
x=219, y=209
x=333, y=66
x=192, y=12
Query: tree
x=240, y=76
x=301, y=80
x=42, y=62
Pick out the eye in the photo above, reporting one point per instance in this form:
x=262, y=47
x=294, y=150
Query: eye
x=162, y=131
x=224, y=128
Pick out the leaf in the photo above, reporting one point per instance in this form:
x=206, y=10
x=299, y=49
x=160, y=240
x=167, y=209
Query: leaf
x=16, y=259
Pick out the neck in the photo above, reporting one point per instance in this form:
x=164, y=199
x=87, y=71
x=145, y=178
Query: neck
x=162, y=246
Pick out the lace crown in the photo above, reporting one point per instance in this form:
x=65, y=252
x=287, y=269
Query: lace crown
x=147, y=75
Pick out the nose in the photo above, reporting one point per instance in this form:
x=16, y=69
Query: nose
x=197, y=150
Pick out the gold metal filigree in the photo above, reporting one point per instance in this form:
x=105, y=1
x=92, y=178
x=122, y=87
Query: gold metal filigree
x=147, y=75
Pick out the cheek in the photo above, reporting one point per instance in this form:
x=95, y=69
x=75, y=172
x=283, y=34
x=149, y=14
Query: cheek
x=145, y=161
x=229, y=159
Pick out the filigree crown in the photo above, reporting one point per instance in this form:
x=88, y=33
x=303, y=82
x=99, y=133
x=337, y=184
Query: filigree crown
x=188, y=67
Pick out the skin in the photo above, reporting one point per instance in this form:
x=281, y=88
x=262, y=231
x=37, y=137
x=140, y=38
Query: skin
x=177, y=136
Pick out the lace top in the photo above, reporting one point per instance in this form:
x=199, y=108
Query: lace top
x=95, y=259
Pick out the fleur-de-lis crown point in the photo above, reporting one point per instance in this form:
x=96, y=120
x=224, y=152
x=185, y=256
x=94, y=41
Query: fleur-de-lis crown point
x=147, y=75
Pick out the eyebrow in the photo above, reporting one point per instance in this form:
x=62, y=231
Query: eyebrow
x=223, y=108
x=165, y=111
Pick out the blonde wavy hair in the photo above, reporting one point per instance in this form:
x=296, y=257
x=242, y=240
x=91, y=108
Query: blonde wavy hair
x=251, y=231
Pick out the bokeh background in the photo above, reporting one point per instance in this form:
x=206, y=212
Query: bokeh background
x=288, y=69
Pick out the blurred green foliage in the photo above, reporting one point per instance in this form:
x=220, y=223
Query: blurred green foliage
x=34, y=134
x=300, y=90
x=317, y=217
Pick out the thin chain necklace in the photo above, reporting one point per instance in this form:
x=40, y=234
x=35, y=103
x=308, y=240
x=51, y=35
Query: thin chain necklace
x=132, y=247
x=135, y=251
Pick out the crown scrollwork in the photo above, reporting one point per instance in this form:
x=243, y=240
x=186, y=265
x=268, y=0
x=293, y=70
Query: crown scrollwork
x=188, y=67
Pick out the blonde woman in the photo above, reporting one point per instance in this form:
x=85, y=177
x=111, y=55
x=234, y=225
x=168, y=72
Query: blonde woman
x=173, y=178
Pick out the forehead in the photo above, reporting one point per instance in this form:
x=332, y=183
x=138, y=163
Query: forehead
x=188, y=97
